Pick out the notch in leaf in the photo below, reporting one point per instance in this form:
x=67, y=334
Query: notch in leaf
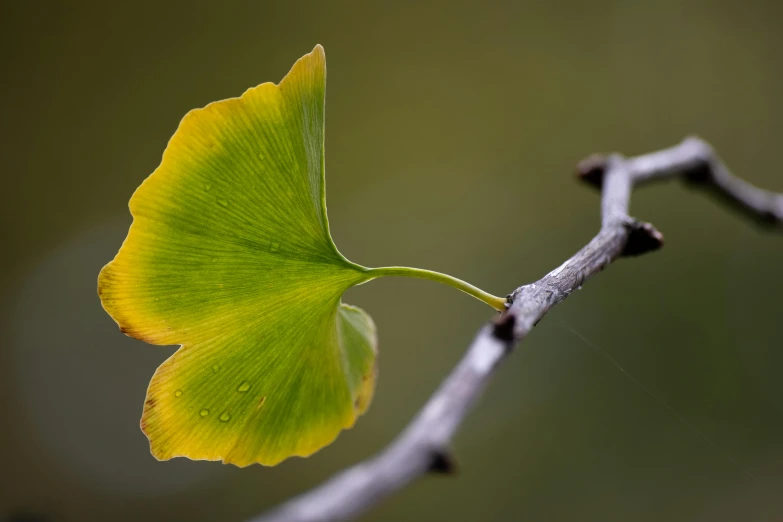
x=230, y=256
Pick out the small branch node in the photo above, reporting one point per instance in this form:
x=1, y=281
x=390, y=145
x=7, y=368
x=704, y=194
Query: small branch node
x=643, y=238
x=703, y=150
x=443, y=463
x=503, y=327
x=702, y=171
x=699, y=175
x=591, y=170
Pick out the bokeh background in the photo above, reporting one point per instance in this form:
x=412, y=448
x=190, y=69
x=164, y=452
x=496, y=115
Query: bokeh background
x=452, y=133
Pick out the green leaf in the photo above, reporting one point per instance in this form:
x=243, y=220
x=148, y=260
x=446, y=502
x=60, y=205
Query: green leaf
x=230, y=256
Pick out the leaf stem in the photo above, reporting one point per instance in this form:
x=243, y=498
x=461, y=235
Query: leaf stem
x=498, y=303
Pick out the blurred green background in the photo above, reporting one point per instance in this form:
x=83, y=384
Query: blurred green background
x=452, y=133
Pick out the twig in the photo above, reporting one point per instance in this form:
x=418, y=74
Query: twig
x=424, y=445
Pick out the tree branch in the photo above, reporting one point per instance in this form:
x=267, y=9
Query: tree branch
x=424, y=445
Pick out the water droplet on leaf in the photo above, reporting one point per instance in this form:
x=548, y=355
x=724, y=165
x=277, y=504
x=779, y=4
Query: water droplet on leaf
x=204, y=412
x=245, y=386
x=178, y=393
x=225, y=417
x=215, y=368
x=222, y=202
x=207, y=186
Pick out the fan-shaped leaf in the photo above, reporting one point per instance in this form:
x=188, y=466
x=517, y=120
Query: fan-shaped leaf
x=230, y=256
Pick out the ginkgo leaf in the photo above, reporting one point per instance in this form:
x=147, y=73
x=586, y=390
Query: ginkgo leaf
x=230, y=256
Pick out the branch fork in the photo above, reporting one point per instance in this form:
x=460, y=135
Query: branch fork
x=423, y=447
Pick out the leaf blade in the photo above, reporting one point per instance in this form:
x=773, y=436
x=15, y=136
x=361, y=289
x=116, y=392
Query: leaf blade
x=230, y=256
